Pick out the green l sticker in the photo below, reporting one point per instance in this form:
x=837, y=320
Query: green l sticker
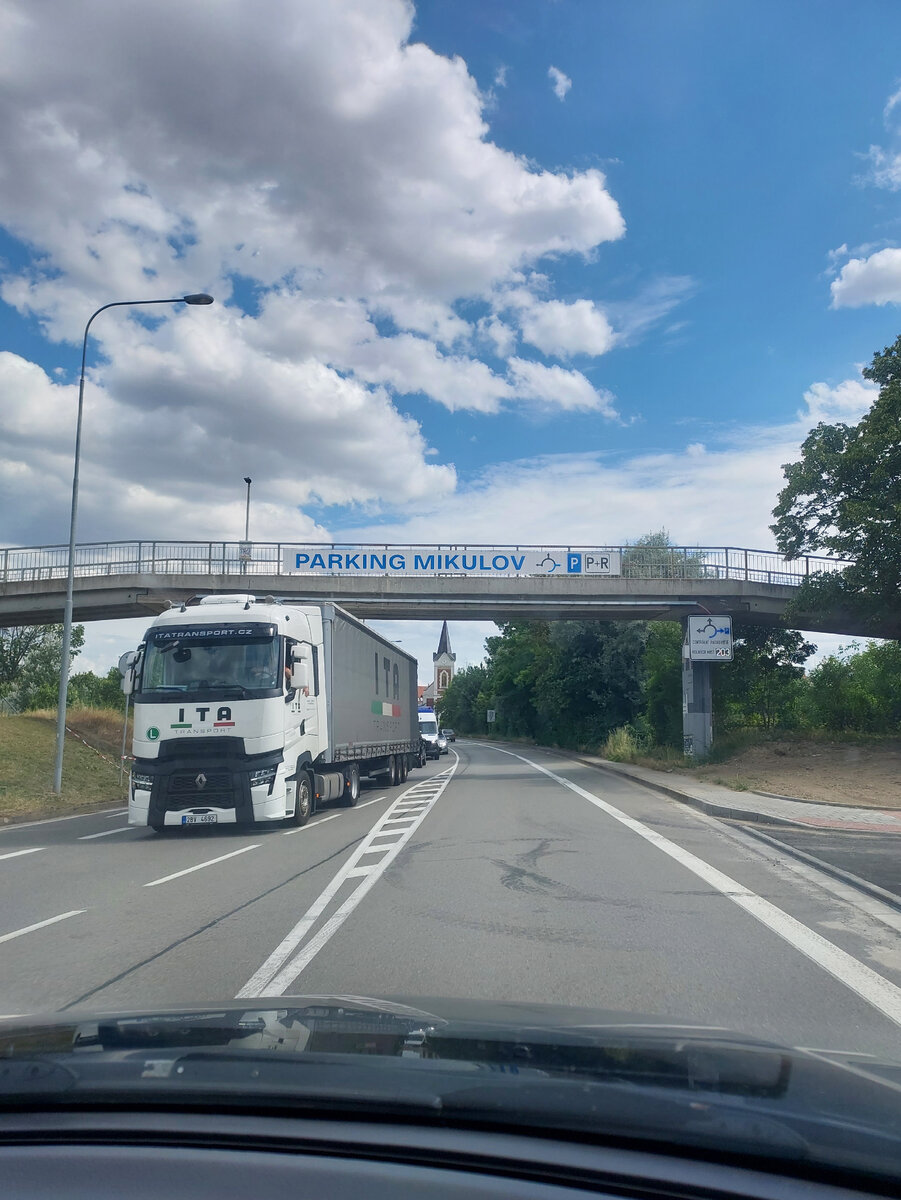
x=152, y=733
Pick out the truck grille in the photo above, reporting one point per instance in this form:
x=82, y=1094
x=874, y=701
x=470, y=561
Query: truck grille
x=185, y=782
x=180, y=790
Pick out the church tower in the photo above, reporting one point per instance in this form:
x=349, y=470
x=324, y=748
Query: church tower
x=443, y=660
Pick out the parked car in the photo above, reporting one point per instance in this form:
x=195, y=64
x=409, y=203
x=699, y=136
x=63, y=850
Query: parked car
x=449, y=734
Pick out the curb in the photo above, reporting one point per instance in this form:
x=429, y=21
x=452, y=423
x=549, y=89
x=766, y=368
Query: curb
x=862, y=885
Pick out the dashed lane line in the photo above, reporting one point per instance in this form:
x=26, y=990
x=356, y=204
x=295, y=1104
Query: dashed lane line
x=16, y=933
x=199, y=866
x=19, y=853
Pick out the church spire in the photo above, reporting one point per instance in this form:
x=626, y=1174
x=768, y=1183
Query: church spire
x=444, y=646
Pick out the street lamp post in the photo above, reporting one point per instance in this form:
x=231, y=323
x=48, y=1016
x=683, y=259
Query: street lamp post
x=245, y=545
x=196, y=298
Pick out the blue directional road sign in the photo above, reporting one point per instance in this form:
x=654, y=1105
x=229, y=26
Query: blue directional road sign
x=710, y=638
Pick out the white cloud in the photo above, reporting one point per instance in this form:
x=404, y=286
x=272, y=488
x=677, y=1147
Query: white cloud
x=560, y=329
x=500, y=76
x=559, y=82
x=847, y=401
x=342, y=174
x=306, y=137
x=715, y=494
x=884, y=168
x=557, y=387
x=872, y=280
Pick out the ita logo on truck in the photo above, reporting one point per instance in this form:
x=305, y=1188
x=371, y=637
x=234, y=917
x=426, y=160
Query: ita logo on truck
x=382, y=708
x=223, y=718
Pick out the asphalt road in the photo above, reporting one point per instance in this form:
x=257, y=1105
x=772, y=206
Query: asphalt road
x=496, y=874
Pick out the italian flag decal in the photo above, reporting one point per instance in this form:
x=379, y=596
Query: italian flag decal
x=382, y=708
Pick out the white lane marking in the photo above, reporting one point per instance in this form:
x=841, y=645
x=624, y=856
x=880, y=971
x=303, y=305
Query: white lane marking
x=8, y=937
x=117, y=813
x=366, y=803
x=199, y=867
x=87, y=837
x=332, y=817
x=301, y=828
x=870, y=986
x=99, y=812
x=277, y=973
x=17, y=853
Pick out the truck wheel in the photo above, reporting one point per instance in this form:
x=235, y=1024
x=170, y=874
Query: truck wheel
x=422, y=758
x=303, y=806
x=158, y=828
x=351, y=785
x=404, y=767
x=393, y=771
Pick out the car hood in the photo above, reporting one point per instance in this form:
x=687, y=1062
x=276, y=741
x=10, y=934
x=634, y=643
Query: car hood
x=618, y=1075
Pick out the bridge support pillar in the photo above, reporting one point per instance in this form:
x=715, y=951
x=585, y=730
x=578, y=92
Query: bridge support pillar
x=697, y=705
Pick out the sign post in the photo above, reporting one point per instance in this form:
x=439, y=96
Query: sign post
x=707, y=640
x=490, y=715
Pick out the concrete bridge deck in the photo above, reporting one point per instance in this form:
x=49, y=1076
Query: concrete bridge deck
x=129, y=579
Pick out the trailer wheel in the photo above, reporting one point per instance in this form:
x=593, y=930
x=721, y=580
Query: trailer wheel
x=303, y=806
x=404, y=762
x=393, y=771
x=351, y=785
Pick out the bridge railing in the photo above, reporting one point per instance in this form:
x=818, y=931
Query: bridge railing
x=224, y=559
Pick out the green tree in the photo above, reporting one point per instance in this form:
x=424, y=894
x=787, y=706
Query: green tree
x=590, y=682
x=663, y=683
x=36, y=680
x=844, y=497
x=97, y=691
x=459, y=704
x=764, y=684
x=653, y=556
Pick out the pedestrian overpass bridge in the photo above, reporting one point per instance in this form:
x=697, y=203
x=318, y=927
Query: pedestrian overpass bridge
x=130, y=579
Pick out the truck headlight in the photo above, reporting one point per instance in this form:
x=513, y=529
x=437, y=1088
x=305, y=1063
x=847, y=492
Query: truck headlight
x=141, y=783
x=263, y=776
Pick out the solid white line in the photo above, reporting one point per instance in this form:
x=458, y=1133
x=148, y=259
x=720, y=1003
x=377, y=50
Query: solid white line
x=99, y=812
x=366, y=803
x=209, y=863
x=17, y=853
x=867, y=983
x=274, y=976
x=87, y=837
x=8, y=937
x=117, y=813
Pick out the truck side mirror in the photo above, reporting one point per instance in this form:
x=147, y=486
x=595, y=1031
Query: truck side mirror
x=300, y=675
x=127, y=664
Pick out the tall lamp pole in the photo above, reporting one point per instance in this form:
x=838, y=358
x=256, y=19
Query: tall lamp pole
x=196, y=298
x=245, y=545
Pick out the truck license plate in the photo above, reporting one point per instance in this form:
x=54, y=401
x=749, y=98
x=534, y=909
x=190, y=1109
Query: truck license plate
x=202, y=819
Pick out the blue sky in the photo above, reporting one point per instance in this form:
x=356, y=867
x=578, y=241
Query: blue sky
x=526, y=270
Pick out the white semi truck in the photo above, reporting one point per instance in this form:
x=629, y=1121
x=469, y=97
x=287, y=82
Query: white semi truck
x=252, y=711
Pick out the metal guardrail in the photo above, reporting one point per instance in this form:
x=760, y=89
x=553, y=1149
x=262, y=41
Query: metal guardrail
x=36, y=563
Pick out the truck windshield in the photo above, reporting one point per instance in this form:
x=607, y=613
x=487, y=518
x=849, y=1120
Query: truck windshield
x=213, y=663
x=430, y=728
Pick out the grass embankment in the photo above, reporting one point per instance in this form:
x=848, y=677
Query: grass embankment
x=831, y=769
x=27, y=750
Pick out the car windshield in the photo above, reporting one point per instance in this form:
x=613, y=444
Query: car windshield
x=210, y=664
x=450, y=541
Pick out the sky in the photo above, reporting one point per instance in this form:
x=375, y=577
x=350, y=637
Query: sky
x=497, y=270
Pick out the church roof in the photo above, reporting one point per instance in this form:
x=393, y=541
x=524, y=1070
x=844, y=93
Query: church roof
x=444, y=646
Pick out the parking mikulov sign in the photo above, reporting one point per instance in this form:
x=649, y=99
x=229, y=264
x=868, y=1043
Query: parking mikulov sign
x=448, y=560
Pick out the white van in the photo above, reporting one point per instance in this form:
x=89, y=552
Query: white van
x=428, y=731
